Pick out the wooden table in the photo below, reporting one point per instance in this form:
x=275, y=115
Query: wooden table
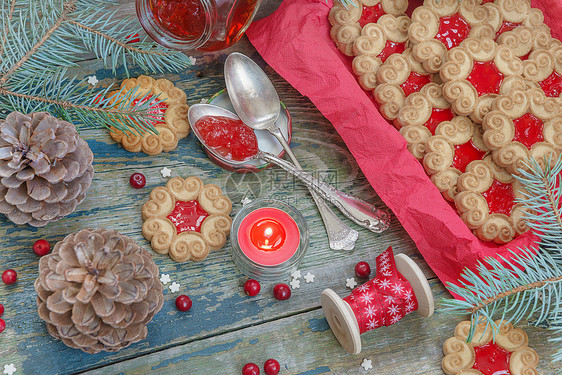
x=226, y=329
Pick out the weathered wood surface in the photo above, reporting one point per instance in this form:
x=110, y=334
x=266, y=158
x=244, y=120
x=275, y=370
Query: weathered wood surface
x=225, y=328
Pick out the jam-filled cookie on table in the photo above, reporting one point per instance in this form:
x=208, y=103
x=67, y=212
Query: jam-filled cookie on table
x=506, y=15
x=186, y=219
x=348, y=20
x=544, y=67
x=173, y=106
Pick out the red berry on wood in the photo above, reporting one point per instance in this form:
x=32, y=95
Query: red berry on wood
x=250, y=369
x=9, y=277
x=281, y=292
x=41, y=247
x=1, y=309
x=271, y=367
x=183, y=303
x=2, y=325
x=362, y=270
x=252, y=287
x=137, y=180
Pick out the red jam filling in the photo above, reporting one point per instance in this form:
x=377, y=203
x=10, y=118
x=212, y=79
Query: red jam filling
x=390, y=48
x=230, y=138
x=528, y=130
x=506, y=26
x=438, y=115
x=466, y=153
x=371, y=14
x=158, y=109
x=267, y=235
x=414, y=83
x=491, y=359
x=485, y=77
x=500, y=198
x=188, y=216
x=452, y=30
x=182, y=18
x=552, y=86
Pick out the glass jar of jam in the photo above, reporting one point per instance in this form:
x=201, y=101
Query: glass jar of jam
x=205, y=25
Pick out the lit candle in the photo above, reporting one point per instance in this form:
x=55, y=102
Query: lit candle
x=268, y=236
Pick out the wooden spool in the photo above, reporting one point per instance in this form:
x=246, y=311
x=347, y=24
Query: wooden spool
x=341, y=317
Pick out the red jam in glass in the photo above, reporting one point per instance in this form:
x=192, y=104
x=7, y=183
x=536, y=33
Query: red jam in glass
x=500, y=198
x=438, y=115
x=466, y=153
x=552, y=86
x=414, y=83
x=371, y=14
x=391, y=48
x=267, y=235
x=505, y=27
x=528, y=130
x=188, y=216
x=230, y=138
x=491, y=359
x=182, y=18
x=452, y=30
x=485, y=77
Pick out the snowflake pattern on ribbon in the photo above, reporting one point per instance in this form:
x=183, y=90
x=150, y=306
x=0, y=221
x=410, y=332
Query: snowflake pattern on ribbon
x=385, y=299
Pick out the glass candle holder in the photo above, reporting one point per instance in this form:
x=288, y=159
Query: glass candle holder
x=269, y=238
x=205, y=25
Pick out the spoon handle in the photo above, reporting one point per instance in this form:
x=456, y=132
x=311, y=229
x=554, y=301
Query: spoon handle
x=359, y=211
x=340, y=235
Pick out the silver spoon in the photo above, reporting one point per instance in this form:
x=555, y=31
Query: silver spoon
x=361, y=212
x=257, y=104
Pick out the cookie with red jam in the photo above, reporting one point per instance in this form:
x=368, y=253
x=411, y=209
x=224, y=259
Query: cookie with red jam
x=440, y=25
x=377, y=42
x=507, y=15
x=186, y=219
x=523, y=124
x=486, y=201
x=348, y=20
x=544, y=68
x=399, y=76
x=506, y=352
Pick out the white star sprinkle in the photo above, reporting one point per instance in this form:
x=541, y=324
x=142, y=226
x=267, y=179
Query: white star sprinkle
x=166, y=172
x=367, y=364
x=175, y=287
x=296, y=274
x=165, y=278
x=203, y=101
x=350, y=283
x=295, y=283
x=309, y=278
x=245, y=201
x=92, y=80
x=9, y=369
x=192, y=60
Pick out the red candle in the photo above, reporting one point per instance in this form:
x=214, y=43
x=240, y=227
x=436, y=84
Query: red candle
x=268, y=236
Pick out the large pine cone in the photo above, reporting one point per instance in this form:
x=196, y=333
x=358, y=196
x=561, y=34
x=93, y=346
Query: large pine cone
x=98, y=290
x=45, y=168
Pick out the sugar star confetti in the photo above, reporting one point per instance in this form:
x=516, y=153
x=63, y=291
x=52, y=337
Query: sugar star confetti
x=245, y=201
x=165, y=278
x=350, y=283
x=295, y=283
x=309, y=278
x=9, y=369
x=92, y=80
x=175, y=287
x=166, y=172
x=367, y=364
x=296, y=274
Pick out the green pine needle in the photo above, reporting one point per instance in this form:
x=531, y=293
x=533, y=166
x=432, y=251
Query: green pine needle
x=528, y=285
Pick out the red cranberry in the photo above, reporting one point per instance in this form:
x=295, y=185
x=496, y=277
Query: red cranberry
x=183, y=303
x=1, y=309
x=252, y=287
x=137, y=180
x=9, y=277
x=41, y=247
x=250, y=369
x=2, y=325
x=271, y=367
x=281, y=292
x=362, y=270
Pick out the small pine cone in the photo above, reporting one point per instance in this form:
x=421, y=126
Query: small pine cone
x=98, y=290
x=45, y=168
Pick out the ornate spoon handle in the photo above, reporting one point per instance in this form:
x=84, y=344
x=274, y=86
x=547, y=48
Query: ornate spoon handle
x=359, y=211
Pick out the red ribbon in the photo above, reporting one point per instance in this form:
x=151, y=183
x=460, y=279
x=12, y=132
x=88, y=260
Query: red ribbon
x=385, y=299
